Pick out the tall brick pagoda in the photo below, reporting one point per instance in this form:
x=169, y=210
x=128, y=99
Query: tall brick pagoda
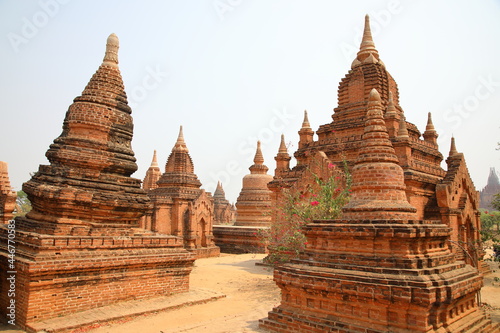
x=180, y=206
x=224, y=212
x=404, y=257
x=417, y=153
x=7, y=195
x=378, y=269
x=153, y=174
x=81, y=246
x=253, y=209
x=490, y=190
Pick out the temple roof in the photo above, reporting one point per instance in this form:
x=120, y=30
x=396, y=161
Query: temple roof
x=493, y=178
x=179, y=169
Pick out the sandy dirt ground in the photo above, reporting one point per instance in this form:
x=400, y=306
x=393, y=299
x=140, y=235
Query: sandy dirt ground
x=250, y=294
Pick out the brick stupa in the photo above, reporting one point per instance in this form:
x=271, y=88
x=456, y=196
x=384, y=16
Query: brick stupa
x=7, y=195
x=378, y=269
x=417, y=153
x=180, y=206
x=253, y=209
x=81, y=246
x=490, y=190
x=224, y=212
x=153, y=174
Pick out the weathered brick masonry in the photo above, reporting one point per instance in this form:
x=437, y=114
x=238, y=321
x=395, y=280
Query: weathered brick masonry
x=81, y=246
x=253, y=212
x=389, y=265
x=180, y=206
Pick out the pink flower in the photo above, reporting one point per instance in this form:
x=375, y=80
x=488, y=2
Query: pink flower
x=331, y=165
x=314, y=195
x=314, y=203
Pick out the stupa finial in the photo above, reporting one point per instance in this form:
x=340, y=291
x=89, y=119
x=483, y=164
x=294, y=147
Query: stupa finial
x=154, y=162
x=305, y=123
x=367, y=53
x=111, y=55
x=259, y=158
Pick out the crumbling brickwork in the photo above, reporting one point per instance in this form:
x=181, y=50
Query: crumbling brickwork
x=341, y=140
x=389, y=264
x=379, y=269
x=81, y=247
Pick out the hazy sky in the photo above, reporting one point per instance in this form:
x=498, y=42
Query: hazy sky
x=234, y=71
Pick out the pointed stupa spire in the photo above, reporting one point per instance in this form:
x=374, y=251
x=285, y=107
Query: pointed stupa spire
x=430, y=125
x=179, y=169
x=306, y=133
x=154, y=162
x=367, y=53
x=180, y=144
x=153, y=174
x=258, y=166
x=219, y=191
x=282, y=158
x=493, y=178
x=391, y=111
x=430, y=134
x=259, y=158
x=282, y=149
x=403, y=130
x=367, y=44
x=453, y=148
x=305, y=123
x=111, y=55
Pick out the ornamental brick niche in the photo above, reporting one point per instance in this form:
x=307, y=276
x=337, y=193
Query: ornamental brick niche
x=7, y=195
x=180, y=206
x=81, y=246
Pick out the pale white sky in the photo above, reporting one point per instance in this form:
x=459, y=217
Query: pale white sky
x=234, y=71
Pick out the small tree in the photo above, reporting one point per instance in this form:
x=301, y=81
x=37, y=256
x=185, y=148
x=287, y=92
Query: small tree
x=23, y=205
x=495, y=202
x=323, y=198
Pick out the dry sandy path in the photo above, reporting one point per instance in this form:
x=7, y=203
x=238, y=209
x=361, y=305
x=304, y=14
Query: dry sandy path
x=250, y=294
